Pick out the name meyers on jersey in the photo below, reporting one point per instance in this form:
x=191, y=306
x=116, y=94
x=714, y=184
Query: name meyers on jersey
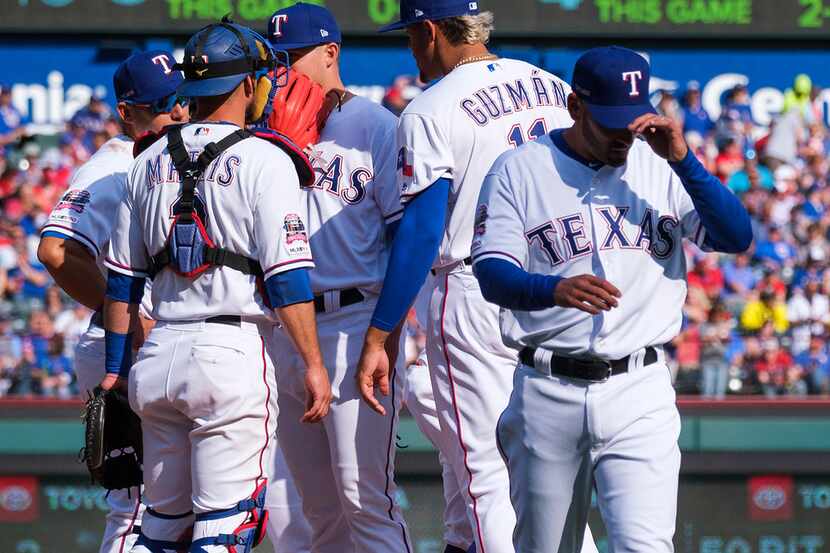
x=509, y=97
x=223, y=171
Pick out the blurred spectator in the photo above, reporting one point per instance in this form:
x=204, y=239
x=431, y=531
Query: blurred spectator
x=809, y=313
x=92, y=119
x=798, y=97
x=815, y=363
x=751, y=175
x=714, y=337
x=402, y=91
x=695, y=118
x=11, y=120
x=738, y=276
x=775, y=250
x=784, y=140
x=763, y=308
x=667, y=105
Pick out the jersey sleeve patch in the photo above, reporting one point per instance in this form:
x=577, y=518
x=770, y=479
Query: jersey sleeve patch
x=74, y=200
x=295, y=236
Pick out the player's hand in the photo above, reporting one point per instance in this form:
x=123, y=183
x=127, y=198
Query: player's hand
x=586, y=293
x=317, y=394
x=141, y=331
x=114, y=382
x=373, y=369
x=663, y=134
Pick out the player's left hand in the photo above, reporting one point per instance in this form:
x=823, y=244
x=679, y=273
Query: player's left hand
x=114, y=382
x=373, y=369
x=663, y=134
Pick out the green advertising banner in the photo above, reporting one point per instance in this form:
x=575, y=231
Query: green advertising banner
x=553, y=18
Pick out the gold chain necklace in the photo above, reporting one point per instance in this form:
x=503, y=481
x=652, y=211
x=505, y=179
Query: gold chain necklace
x=473, y=59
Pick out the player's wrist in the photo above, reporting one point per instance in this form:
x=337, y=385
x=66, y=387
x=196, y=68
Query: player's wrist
x=376, y=337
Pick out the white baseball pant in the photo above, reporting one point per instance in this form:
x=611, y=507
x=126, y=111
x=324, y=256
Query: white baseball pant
x=288, y=529
x=562, y=437
x=206, y=395
x=125, y=507
x=344, y=467
x=471, y=371
x=420, y=401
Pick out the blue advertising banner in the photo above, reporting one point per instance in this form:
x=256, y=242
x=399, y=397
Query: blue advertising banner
x=55, y=79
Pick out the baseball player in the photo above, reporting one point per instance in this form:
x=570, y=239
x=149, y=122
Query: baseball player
x=448, y=137
x=419, y=400
x=579, y=239
x=343, y=468
x=75, y=237
x=212, y=213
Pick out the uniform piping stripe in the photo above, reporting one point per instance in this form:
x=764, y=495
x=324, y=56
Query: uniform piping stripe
x=118, y=265
x=457, y=414
x=394, y=214
x=74, y=234
x=478, y=256
x=284, y=263
x=267, y=411
x=389, y=450
x=132, y=524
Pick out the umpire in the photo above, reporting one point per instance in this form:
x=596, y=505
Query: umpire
x=579, y=240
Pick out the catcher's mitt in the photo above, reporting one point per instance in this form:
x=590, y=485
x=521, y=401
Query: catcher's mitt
x=300, y=109
x=112, y=452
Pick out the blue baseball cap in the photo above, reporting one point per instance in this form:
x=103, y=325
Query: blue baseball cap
x=415, y=11
x=613, y=83
x=302, y=25
x=146, y=77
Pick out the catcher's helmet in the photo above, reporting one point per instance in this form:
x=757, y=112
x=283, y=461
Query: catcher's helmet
x=218, y=57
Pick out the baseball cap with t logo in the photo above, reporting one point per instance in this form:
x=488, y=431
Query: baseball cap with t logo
x=613, y=83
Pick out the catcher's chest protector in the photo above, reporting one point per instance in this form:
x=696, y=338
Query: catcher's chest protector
x=189, y=251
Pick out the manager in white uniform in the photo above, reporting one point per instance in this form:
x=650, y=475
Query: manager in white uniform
x=578, y=238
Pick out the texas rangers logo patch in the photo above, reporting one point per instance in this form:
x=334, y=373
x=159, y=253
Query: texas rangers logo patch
x=76, y=200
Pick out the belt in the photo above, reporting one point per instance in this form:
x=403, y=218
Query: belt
x=467, y=261
x=234, y=320
x=97, y=319
x=593, y=370
x=349, y=296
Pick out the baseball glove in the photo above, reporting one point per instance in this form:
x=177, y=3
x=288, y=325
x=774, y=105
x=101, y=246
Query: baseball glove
x=112, y=452
x=300, y=110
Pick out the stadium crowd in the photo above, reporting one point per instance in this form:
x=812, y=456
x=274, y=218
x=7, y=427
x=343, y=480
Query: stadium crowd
x=754, y=324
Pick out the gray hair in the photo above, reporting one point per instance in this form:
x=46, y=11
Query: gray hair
x=467, y=29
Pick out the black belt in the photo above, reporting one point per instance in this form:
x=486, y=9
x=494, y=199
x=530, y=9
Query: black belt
x=594, y=370
x=235, y=320
x=467, y=261
x=349, y=296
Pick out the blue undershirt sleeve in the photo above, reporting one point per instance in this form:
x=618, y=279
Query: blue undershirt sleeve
x=288, y=288
x=511, y=287
x=121, y=287
x=727, y=223
x=414, y=249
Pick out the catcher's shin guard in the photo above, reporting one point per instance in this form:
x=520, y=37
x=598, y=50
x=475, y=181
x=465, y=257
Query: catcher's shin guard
x=247, y=535
x=176, y=529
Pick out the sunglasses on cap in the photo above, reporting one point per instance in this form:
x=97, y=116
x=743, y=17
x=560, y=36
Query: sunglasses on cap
x=164, y=105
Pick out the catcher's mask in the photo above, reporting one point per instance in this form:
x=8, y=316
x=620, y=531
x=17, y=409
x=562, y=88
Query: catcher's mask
x=219, y=56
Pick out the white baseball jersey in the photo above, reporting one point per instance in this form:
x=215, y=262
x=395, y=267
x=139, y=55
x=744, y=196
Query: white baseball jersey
x=546, y=211
x=85, y=211
x=355, y=195
x=250, y=195
x=459, y=126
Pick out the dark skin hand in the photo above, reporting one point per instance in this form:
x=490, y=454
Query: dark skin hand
x=586, y=293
